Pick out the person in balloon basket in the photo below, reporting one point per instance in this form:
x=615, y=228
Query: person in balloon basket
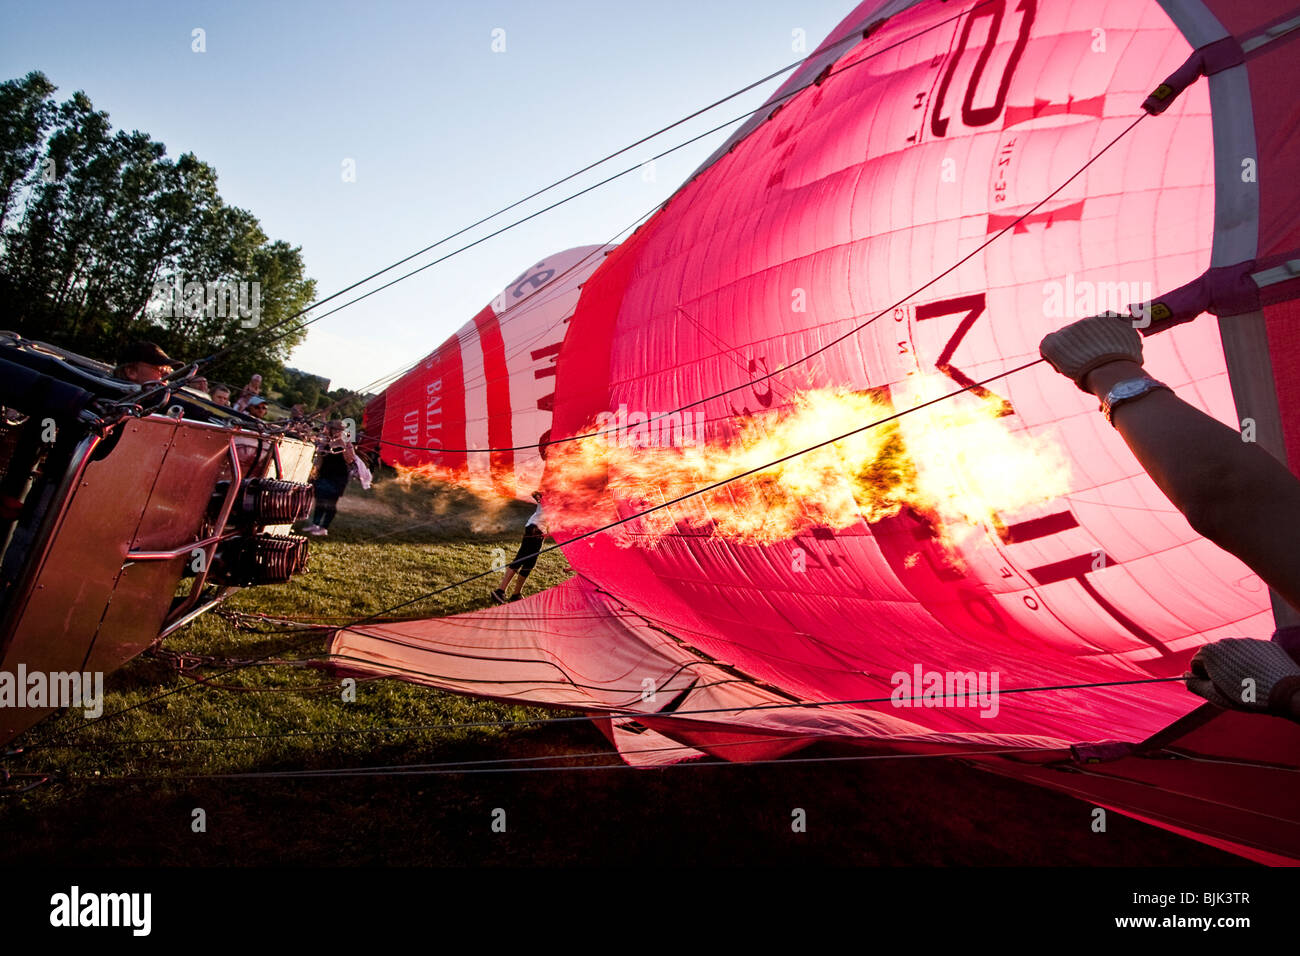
x=526, y=558
x=336, y=463
x=144, y=363
x=1232, y=492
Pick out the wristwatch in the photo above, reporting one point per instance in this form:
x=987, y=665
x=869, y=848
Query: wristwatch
x=1127, y=391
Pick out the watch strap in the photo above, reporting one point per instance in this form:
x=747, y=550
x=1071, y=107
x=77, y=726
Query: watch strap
x=1127, y=391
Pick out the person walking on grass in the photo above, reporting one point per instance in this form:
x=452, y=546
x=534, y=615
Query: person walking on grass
x=336, y=463
x=526, y=559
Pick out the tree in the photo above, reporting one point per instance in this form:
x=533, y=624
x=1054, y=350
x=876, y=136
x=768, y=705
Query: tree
x=97, y=228
x=284, y=291
x=302, y=388
x=348, y=404
x=26, y=112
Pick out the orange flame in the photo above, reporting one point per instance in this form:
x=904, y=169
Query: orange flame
x=455, y=497
x=957, y=461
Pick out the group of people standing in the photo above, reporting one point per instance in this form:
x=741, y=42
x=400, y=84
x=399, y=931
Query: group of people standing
x=337, y=461
x=143, y=363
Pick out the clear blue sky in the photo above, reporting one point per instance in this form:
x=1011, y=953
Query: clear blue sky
x=442, y=129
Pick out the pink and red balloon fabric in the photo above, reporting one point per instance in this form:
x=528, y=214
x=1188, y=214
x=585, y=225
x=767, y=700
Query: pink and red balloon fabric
x=926, y=130
x=491, y=385
x=936, y=132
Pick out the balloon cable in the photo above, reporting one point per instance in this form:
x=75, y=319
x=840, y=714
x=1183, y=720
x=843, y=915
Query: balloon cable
x=1009, y=227
x=474, y=767
x=772, y=102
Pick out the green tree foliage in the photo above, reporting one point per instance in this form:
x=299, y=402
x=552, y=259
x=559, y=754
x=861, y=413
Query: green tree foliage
x=301, y=388
x=313, y=392
x=26, y=112
x=346, y=403
x=97, y=225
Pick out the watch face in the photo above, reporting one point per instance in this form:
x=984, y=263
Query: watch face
x=1130, y=389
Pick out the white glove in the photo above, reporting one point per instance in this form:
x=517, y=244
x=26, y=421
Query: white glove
x=1088, y=344
x=1245, y=674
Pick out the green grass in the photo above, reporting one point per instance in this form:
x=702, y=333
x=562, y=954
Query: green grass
x=115, y=800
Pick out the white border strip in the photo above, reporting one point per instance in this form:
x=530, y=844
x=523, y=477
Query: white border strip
x=1236, y=202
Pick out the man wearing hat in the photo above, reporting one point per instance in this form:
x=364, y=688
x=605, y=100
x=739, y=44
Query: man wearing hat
x=144, y=362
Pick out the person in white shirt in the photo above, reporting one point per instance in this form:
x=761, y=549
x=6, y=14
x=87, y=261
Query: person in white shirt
x=519, y=569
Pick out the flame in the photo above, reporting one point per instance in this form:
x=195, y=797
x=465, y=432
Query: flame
x=958, y=462
x=411, y=478
x=455, y=498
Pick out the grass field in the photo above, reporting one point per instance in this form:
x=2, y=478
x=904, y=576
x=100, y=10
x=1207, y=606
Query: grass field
x=125, y=789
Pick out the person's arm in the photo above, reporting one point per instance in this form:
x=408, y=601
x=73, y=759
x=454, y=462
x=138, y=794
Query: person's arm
x=1232, y=492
